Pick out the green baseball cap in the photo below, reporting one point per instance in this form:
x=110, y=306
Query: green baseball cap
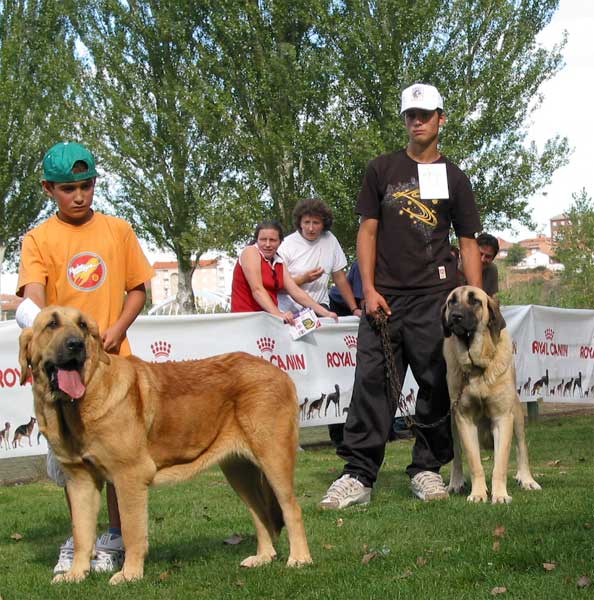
x=60, y=159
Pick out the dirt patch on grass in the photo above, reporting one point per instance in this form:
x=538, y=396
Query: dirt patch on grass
x=562, y=409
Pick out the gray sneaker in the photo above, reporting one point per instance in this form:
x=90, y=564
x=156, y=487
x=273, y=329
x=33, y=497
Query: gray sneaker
x=428, y=486
x=109, y=553
x=65, y=558
x=344, y=492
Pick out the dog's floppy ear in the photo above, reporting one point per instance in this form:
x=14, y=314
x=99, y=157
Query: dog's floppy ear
x=447, y=332
x=25, y=353
x=496, y=320
x=102, y=356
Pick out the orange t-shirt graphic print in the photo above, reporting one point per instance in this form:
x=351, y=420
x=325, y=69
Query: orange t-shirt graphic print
x=86, y=271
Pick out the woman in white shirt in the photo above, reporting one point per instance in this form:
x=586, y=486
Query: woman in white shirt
x=312, y=255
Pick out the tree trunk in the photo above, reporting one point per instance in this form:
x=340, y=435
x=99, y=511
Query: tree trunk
x=185, y=293
x=2, y=252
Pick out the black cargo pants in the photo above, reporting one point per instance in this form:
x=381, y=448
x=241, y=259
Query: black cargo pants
x=417, y=339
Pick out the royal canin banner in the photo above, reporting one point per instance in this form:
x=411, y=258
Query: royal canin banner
x=553, y=349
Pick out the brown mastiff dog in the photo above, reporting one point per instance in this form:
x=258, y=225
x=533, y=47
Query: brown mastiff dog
x=482, y=384
x=135, y=423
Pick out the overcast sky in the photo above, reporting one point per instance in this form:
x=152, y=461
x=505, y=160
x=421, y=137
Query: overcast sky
x=566, y=111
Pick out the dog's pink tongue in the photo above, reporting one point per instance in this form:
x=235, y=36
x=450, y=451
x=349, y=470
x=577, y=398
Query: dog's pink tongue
x=69, y=382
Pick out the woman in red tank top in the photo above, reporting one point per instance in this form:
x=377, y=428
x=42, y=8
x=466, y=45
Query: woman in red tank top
x=259, y=275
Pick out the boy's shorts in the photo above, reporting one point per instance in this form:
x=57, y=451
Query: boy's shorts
x=54, y=470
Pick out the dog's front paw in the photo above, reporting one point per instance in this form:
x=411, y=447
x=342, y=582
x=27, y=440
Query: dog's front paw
x=71, y=576
x=257, y=560
x=126, y=575
x=528, y=484
x=299, y=562
x=501, y=499
x=456, y=486
x=477, y=497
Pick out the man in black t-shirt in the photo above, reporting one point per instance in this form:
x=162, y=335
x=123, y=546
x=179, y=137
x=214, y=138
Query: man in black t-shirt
x=407, y=204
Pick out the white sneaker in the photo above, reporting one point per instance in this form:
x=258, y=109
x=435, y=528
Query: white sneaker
x=65, y=558
x=344, y=492
x=428, y=486
x=109, y=553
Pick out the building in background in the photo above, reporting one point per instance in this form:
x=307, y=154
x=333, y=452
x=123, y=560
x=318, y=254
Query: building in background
x=8, y=306
x=211, y=282
x=540, y=251
x=556, y=223
x=504, y=246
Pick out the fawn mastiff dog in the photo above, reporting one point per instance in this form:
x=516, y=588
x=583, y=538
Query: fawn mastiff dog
x=136, y=423
x=482, y=385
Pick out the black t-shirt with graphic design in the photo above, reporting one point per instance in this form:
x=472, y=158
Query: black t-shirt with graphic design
x=413, y=249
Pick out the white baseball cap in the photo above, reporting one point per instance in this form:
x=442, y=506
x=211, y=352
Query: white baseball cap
x=423, y=96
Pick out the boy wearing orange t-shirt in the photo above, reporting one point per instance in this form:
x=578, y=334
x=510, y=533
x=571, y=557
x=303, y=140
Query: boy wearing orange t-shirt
x=92, y=262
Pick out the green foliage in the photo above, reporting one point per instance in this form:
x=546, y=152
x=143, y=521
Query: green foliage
x=38, y=106
x=277, y=78
x=208, y=107
x=532, y=286
x=161, y=133
x=482, y=56
x=533, y=292
x=515, y=254
x=314, y=90
x=209, y=114
x=575, y=250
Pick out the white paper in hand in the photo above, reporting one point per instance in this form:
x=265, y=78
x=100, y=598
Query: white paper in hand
x=305, y=321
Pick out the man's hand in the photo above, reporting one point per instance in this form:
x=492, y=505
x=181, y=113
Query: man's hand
x=374, y=301
x=312, y=275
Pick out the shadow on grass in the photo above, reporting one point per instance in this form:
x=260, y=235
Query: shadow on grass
x=44, y=542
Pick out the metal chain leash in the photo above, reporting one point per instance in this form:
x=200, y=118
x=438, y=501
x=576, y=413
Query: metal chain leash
x=397, y=399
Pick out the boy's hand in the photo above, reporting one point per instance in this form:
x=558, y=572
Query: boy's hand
x=26, y=312
x=112, y=339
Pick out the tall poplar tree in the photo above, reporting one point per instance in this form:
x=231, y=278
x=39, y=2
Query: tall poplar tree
x=38, y=90
x=159, y=131
x=277, y=78
x=574, y=248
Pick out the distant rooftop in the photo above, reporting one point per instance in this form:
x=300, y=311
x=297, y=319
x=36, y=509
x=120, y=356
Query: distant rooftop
x=541, y=243
x=172, y=264
x=9, y=302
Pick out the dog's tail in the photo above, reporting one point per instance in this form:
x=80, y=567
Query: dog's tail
x=275, y=519
x=250, y=483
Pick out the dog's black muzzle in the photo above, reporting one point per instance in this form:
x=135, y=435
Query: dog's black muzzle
x=70, y=356
x=462, y=324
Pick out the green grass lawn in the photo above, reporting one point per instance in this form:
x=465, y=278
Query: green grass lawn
x=440, y=550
